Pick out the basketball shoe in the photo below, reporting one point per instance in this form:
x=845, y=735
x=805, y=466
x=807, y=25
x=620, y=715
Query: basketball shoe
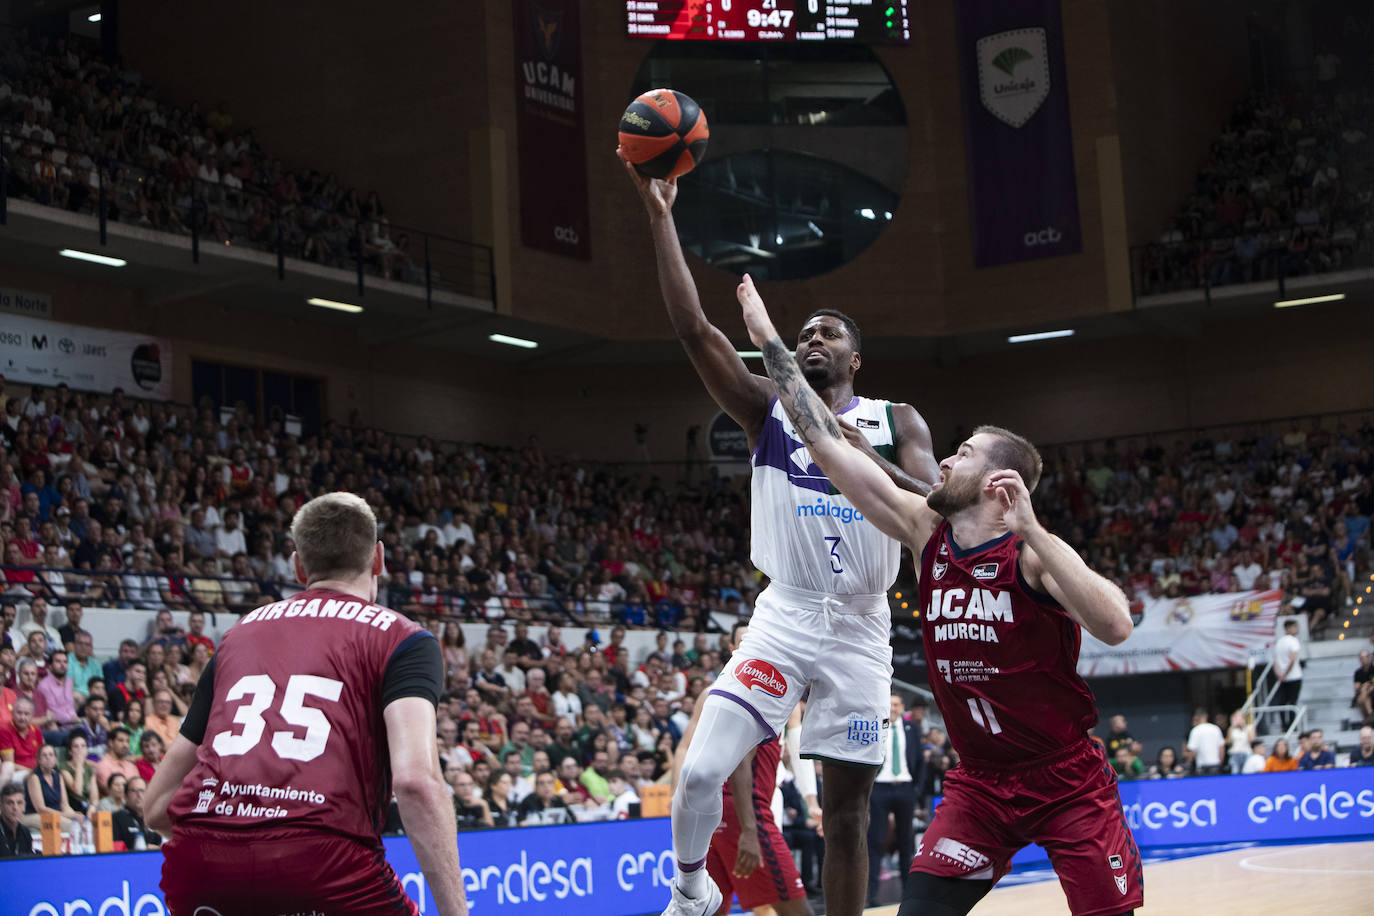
x=705, y=905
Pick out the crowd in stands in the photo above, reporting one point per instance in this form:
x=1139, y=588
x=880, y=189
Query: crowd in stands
x=124, y=503
x=1260, y=510
x=1221, y=746
x=1287, y=188
x=75, y=125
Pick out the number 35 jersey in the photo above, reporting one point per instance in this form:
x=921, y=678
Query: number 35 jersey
x=288, y=717
x=804, y=533
x=1002, y=656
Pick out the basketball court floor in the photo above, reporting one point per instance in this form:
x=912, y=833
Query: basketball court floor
x=1329, y=879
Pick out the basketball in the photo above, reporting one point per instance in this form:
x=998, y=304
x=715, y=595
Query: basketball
x=663, y=133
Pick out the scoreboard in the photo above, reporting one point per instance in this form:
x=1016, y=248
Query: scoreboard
x=870, y=21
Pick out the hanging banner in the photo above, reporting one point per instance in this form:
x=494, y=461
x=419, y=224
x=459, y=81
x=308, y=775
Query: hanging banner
x=1181, y=634
x=552, y=150
x=21, y=302
x=1023, y=196
x=37, y=352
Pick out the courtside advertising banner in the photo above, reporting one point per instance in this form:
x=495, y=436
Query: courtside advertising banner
x=1265, y=807
x=1023, y=196
x=616, y=868
x=47, y=353
x=552, y=150
x=1188, y=634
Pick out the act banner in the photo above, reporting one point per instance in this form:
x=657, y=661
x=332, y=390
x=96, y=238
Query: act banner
x=1194, y=633
x=1023, y=195
x=549, y=101
x=47, y=353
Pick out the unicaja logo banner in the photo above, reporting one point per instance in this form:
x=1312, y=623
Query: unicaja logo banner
x=1014, y=74
x=754, y=673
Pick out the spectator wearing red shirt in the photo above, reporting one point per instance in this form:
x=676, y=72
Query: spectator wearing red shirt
x=19, y=743
x=195, y=634
x=29, y=548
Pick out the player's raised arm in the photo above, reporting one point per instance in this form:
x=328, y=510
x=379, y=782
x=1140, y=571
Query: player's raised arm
x=896, y=512
x=1052, y=566
x=741, y=394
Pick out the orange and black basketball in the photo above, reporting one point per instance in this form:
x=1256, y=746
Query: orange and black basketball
x=663, y=133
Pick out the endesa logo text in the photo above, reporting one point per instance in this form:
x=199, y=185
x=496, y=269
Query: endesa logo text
x=1321, y=804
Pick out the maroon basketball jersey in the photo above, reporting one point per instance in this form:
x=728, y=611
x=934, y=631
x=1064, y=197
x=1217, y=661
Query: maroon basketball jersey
x=1002, y=656
x=765, y=768
x=295, y=738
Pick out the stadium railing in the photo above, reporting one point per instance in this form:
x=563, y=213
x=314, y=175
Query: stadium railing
x=1262, y=256
x=259, y=220
x=157, y=589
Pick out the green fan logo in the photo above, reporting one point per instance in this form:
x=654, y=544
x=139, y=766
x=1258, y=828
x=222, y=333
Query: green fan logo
x=1008, y=59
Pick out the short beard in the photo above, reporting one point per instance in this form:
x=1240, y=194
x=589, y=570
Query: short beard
x=818, y=377
x=953, y=497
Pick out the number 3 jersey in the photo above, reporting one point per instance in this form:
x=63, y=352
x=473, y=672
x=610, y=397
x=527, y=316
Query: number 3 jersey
x=804, y=533
x=1002, y=656
x=288, y=716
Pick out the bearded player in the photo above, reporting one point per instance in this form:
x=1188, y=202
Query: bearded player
x=823, y=622
x=1002, y=604
x=311, y=713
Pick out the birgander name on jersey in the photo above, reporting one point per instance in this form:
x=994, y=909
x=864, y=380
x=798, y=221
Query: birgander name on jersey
x=357, y=611
x=975, y=609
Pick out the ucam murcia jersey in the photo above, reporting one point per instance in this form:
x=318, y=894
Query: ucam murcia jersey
x=1002, y=656
x=804, y=533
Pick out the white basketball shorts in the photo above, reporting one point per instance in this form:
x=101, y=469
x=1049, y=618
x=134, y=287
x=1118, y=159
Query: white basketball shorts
x=839, y=647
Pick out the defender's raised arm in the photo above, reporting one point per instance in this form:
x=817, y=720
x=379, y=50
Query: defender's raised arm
x=895, y=512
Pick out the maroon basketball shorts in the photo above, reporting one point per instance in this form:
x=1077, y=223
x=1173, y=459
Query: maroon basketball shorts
x=214, y=874
x=774, y=881
x=1067, y=803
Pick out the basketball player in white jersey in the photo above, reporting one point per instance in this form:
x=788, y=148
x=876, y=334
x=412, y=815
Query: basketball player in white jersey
x=823, y=622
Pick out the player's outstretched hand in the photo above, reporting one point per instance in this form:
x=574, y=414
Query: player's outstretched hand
x=756, y=318
x=749, y=855
x=1015, y=500
x=658, y=194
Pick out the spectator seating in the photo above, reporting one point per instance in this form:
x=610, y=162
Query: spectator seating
x=78, y=131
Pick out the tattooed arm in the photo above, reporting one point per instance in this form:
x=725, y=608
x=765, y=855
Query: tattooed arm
x=896, y=512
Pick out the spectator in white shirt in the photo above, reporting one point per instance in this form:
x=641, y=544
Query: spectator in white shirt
x=1246, y=572
x=622, y=794
x=1255, y=762
x=1206, y=746
x=229, y=539
x=1287, y=670
x=458, y=530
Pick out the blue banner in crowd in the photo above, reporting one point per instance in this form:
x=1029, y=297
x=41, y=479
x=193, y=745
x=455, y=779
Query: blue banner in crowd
x=1023, y=194
x=610, y=869
x=1207, y=810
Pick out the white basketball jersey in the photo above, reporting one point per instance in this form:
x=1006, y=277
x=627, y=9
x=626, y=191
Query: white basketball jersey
x=804, y=533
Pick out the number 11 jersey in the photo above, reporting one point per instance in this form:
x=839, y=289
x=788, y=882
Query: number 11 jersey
x=1002, y=657
x=288, y=717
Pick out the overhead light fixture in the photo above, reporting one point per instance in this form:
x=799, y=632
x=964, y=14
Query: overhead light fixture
x=335, y=305
x=749, y=354
x=1041, y=335
x=93, y=17
x=1310, y=300
x=867, y=213
x=93, y=258
x=513, y=341
x=778, y=239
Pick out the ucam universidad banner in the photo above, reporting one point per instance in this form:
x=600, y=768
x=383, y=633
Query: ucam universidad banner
x=48, y=353
x=1263, y=808
x=617, y=868
x=1194, y=633
x=1018, y=145
x=551, y=146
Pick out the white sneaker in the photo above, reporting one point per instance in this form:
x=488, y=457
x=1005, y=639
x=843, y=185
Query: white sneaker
x=706, y=905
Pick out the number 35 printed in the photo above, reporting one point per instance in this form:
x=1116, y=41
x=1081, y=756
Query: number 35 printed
x=258, y=690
